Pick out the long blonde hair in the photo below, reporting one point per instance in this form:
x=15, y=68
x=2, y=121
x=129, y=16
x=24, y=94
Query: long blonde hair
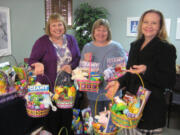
x=162, y=34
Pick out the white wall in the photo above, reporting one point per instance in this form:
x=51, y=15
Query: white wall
x=121, y=9
x=27, y=18
x=26, y=22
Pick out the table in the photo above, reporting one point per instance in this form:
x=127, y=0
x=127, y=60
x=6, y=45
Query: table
x=14, y=119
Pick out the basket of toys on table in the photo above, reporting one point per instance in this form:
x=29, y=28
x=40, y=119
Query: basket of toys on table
x=86, y=76
x=38, y=100
x=102, y=123
x=127, y=111
x=21, y=80
x=115, y=68
x=64, y=91
x=7, y=75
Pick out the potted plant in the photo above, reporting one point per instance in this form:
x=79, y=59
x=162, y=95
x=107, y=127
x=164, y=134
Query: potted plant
x=85, y=16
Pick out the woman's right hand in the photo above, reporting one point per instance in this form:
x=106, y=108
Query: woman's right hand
x=38, y=68
x=112, y=88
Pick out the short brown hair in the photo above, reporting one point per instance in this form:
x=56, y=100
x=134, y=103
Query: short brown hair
x=162, y=34
x=98, y=23
x=54, y=18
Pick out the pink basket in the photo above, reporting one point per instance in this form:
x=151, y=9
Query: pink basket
x=88, y=85
x=65, y=104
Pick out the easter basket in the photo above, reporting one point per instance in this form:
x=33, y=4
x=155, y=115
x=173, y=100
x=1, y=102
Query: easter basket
x=121, y=120
x=21, y=81
x=64, y=90
x=89, y=85
x=37, y=113
x=38, y=100
x=108, y=129
x=7, y=92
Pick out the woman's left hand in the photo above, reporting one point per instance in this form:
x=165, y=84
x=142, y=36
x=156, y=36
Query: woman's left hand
x=67, y=68
x=137, y=69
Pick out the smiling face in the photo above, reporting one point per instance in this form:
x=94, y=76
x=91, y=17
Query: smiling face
x=56, y=29
x=150, y=25
x=101, y=34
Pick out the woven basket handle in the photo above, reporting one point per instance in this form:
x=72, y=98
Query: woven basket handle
x=90, y=66
x=140, y=79
x=60, y=131
x=97, y=102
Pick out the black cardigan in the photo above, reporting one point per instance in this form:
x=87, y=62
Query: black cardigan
x=160, y=58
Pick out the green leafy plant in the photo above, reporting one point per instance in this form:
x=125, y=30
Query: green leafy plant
x=85, y=16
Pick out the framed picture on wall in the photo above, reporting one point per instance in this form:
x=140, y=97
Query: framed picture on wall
x=5, y=38
x=132, y=26
x=178, y=29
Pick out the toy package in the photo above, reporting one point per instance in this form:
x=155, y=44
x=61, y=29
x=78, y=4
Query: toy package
x=115, y=68
x=86, y=66
x=38, y=100
x=87, y=119
x=131, y=105
x=77, y=123
x=103, y=123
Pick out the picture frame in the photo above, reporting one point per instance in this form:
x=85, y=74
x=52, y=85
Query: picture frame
x=132, y=26
x=168, y=25
x=178, y=29
x=5, y=35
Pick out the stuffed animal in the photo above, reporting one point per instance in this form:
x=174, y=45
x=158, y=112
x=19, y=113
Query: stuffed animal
x=109, y=73
x=79, y=74
x=47, y=102
x=102, y=118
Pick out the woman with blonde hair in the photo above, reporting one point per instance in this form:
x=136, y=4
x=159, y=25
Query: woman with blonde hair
x=54, y=52
x=154, y=58
x=102, y=48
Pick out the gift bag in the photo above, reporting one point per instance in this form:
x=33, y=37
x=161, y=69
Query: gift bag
x=64, y=91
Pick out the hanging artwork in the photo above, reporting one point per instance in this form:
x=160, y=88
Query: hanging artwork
x=5, y=38
x=178, y=29
x=132, y=26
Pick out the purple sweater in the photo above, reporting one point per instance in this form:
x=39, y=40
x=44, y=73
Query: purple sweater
x=43, y=51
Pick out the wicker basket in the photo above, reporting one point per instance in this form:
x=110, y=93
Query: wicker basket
x=97, y=132
x=39, y=94
x=37, y=113
x=88, y=85
x=123, y=121
x=65, y=104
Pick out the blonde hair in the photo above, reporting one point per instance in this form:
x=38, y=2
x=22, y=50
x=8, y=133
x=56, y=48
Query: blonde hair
x=97, y=24
x=55, y=17
x=162, y=34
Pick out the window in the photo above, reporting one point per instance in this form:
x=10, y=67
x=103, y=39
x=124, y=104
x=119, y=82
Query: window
x=64, y=7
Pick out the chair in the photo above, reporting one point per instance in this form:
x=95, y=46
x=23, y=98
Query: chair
x=174, y=98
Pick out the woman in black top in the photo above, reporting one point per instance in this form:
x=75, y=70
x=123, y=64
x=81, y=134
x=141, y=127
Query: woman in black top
x=154, y=58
